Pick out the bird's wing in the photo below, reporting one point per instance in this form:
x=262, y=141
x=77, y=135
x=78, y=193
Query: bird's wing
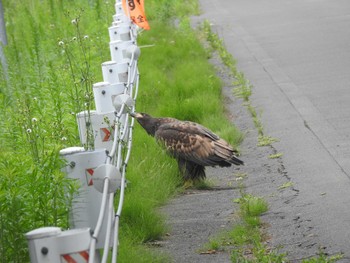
x=199, y=129
x=219, y=143
x=189, y=141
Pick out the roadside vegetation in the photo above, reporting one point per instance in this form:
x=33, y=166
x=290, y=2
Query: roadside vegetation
x=53, y=57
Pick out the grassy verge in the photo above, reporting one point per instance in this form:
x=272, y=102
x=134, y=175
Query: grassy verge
x=54, y=56
x=170, y=87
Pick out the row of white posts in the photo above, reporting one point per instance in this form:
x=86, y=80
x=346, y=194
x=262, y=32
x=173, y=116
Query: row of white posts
x=101, y=170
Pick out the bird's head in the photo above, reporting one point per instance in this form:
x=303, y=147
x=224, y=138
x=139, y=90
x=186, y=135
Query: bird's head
x=149, y=123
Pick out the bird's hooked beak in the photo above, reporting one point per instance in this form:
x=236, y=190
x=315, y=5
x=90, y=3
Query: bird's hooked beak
x=135, y=115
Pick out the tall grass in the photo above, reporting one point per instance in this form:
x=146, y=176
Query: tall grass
x=45, y=84
x=54, y=55
x=178, y=80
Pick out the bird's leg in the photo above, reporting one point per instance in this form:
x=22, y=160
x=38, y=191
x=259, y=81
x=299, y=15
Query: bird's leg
x=183, y=168
x=191, y=171
x=188, y=182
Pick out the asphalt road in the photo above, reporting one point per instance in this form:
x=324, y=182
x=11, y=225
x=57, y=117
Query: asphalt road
x=296, y=54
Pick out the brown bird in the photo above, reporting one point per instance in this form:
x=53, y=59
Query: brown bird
x=191, y=144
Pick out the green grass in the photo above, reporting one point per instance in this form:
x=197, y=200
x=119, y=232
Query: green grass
x=266, y=140
x=275, y=156
x=251, y=207
x=286, y=185
x=322, y=258
x=246, y=241
x=54, y=55
x=243, y=89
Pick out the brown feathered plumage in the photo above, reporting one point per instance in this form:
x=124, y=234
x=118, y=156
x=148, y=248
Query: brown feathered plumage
x=190, y=143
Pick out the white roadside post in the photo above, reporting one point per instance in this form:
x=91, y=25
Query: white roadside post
x=50, y=244
x=100, y=171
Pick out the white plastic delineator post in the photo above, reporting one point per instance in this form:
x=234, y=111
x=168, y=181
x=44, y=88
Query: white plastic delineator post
x=114, y=72
x=133, y=51
x=123, y=99
x=119, y=8
x=102, y=128
x=81, y=166
x=120, y=32
x=100, y=172
x=50, y=244
x=111, y=173
x=118, y=50
x=119, y=19
x=104, y=93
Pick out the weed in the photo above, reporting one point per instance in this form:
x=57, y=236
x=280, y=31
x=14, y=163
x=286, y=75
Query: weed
x=286, y=185
x=218, y=45
x=214, y=244
x=203, y=185
x=240, y=176
x=256, y=118
x=266, y=140
x=322, y=258
x=243, y=89
x=247, y=237
x=275, y=156
x=252, y=206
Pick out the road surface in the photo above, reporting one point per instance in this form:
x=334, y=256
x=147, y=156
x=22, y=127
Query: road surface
x=296, y=54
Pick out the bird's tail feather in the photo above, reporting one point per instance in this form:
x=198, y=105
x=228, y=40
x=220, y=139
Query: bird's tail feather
x=226, y=153
x=236, y=161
